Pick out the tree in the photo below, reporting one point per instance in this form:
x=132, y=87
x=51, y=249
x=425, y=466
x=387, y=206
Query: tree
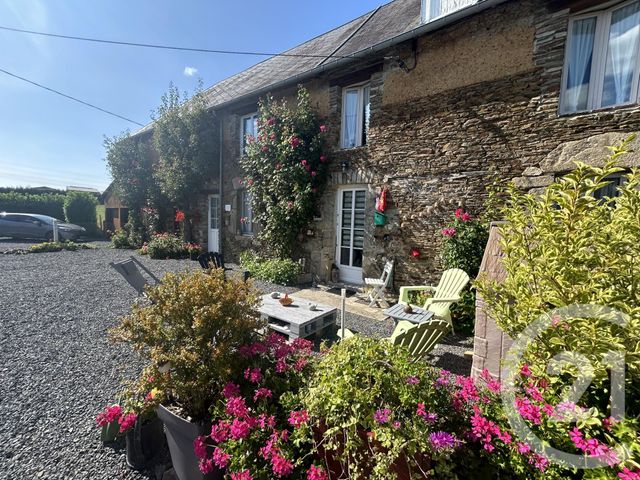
x=130, y=163
x=185, y=141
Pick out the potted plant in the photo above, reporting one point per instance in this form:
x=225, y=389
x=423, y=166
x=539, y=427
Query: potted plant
x=190, y=333
x=136, y=420
x=254, y=415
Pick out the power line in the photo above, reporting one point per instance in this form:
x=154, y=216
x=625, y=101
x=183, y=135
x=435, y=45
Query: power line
x=69, y=97
x=171, y=47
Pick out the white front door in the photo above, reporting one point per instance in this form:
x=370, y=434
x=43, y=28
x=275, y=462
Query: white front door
x=350, y=234
x=214, y=223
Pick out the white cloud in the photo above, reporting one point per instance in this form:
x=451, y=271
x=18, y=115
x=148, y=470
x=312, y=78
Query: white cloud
x=190, y=71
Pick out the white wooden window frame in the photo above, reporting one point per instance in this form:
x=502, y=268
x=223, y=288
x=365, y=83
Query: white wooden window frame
x=243, y=134
x=598, y=62
x=360, y=88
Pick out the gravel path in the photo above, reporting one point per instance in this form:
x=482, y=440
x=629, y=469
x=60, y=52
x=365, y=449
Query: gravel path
x=57, y=370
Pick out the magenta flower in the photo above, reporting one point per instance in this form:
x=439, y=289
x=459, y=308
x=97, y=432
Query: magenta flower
x=271, y=121
x=323, y=128
x=317, y=473
x=523, y=448
x=254, y=375
x=244, y=475
x=239, y=429
x=314, y=173
x=426, y=416
x=396, y=424
x=237, y=407
x=262, y=393
x=294, y=142
x=449, y=232
x=459, y=212
x=200, y=447
x=220, y=457
x=127, y=421
x=413, y=380
x=281, y=466
x=109, y=415
x=230, y=390
x=289, y=204
x=206, y=465
x=443, y=440
x=382, y=415
x=525, y=371
x=323, y=158
x=297, y=418
x=304, y=162
x=220, y=431
x=465, y=217
x=627, y=474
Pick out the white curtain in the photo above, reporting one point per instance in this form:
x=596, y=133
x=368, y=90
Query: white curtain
x=350, y=117
x=434, y=9
x=621, y=56
x=579, y=66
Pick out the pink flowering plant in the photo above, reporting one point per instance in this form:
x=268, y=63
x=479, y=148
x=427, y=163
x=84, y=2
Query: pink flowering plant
x=256, y=414
x=376, y=414
x=285, y=170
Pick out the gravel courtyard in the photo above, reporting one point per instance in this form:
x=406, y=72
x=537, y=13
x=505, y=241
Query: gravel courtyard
x=57, y=370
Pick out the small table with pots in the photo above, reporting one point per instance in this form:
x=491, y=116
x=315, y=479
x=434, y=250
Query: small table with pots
x=297, y=320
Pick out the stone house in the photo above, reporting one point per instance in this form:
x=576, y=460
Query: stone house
x=431, y=99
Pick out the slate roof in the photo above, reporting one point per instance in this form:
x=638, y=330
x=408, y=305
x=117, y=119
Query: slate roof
x=375, y=27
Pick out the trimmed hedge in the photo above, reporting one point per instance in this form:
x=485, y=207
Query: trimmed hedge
x=80, y=208
x=43, y=204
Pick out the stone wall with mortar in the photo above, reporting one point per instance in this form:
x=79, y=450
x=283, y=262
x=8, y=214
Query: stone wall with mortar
x=480, y=99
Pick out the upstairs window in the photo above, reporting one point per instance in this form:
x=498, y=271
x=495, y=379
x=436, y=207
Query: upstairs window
x=602, y=64
x=248, y=126
x=356, y=111
x=433, y=9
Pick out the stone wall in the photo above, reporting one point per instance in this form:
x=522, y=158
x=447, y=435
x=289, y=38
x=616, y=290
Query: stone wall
x=477, y=99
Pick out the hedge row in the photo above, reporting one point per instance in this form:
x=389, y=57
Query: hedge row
x=44, y=204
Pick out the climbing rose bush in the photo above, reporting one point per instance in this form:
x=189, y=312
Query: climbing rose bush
x=285, y=171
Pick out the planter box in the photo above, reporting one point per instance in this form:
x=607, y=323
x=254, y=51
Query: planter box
x=180, y=436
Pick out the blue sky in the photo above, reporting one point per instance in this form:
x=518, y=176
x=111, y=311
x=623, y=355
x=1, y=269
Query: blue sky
x=48, y=140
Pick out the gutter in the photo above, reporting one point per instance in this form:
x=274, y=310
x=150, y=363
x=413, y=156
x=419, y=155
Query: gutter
x=411, y=34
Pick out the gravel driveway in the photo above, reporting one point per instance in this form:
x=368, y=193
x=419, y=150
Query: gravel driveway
x=57, y=370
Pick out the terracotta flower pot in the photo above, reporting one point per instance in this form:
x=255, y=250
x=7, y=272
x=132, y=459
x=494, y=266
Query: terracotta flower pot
x=180, y=436
x=143, y=442
x=336, y=470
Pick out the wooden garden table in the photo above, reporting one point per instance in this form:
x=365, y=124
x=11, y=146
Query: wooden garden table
x=296, y=320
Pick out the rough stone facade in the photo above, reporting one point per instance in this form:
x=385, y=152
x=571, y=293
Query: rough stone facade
x=475, y=99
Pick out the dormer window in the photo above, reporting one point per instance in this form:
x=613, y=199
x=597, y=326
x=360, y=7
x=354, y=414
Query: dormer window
x=602, y=64
x=434, y=9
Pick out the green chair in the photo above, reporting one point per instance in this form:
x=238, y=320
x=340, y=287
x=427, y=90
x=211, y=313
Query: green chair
x=419, y=338
x=444, y=295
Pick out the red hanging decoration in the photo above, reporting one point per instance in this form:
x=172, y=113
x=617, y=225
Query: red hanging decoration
x=415, y=253
x=381, y=200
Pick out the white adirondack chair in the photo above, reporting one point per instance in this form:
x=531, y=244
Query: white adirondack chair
x=379, y=285
x=444, y=295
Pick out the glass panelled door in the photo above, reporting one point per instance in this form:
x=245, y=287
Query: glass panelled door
x=214, y=223
x=350, y=233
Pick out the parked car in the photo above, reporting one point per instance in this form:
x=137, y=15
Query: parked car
x=31, y=226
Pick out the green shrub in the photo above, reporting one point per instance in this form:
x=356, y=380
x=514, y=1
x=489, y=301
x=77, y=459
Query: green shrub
x=165, y=245
x=43, y=204
x=465, y=239
x=57, y=246
x=373, y=410
x=120, y=239
x=195, y=323
x=275, y=270
x=80, y=208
